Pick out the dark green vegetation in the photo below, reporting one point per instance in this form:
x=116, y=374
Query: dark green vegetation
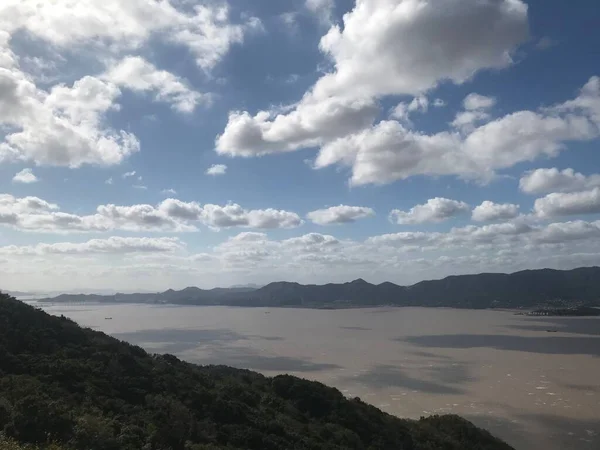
x=527, y=289
x=81, y=389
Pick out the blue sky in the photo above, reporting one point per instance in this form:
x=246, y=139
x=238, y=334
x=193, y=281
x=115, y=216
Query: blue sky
x=386, y=139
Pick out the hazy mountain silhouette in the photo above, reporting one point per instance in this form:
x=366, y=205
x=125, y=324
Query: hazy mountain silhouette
x=528, y=288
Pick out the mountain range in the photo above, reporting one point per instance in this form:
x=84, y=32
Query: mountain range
x=525, y=289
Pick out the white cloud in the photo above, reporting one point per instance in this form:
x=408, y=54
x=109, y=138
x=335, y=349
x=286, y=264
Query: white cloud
x=109, y=181
x=384, y=48
x=137, y=74
x=439, y=103
x=490, y=211
x=541, y=181
x=516, y=235
x=312, y=122
x=339, y=214
x=403, y=110
x=168, y=192
x=216, y=169
x=25, y=176
x=113, y=25
x=112, y=245
x=475, y=101
x=566, y=204
x=63, y=126
x=312, y=258
x=389, y=151
x=497, y=247
x=435, y=210
x=171, y=215
x=140, y=187
x=66, y=124
x=129, y=174
x=233, y=215
x=323, y=9
x=467, y=120
x=387, y=47
x=475, y=112
x=12, y=208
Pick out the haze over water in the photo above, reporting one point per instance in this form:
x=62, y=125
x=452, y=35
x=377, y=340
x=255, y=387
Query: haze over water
x=536, y=390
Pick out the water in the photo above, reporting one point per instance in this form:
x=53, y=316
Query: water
x=536, y=390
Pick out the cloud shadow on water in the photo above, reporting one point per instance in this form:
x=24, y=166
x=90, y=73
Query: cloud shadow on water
x=177, y=340
x=550, y=345
x=572, y=325
x=250, y=358
x=174, y=340
x=439, y=379
x=220, y=347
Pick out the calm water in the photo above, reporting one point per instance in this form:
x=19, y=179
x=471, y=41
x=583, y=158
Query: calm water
x=537, y=390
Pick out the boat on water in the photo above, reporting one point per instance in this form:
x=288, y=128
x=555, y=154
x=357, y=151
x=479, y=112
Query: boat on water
x=108, y=318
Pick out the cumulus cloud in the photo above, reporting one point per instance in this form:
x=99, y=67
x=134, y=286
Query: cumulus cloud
x=112, y=245
x=66, y=124
x=233, y=215
x=435, y=210
x=63, y=126
x=541, y=181
x=25, y=176
x=389, y=151
x=490, y=211
x=216, y=169
x=403, y=110
x=311, y=123
x=498, y=247
x=475, y=101
x=516, y=235
x=137, y=74
x=205, y=30
x=387, y=47
x=466, y=120
x=475, y=112
x=171, y=215
x=251, y=256
x=12, y=208
x=339, y=214
x=566, y=204
x=383, y=48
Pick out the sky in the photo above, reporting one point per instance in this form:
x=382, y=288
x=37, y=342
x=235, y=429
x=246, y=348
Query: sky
x=147, y=145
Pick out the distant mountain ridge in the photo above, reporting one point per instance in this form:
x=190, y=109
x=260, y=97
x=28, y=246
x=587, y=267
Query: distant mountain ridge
x=523, y=289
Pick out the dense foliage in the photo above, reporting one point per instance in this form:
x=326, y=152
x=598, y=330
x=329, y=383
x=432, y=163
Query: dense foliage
x=526, y=289
x=81, y=389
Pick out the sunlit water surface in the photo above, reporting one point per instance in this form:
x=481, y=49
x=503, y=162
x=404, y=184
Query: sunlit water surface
x=537, y=390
